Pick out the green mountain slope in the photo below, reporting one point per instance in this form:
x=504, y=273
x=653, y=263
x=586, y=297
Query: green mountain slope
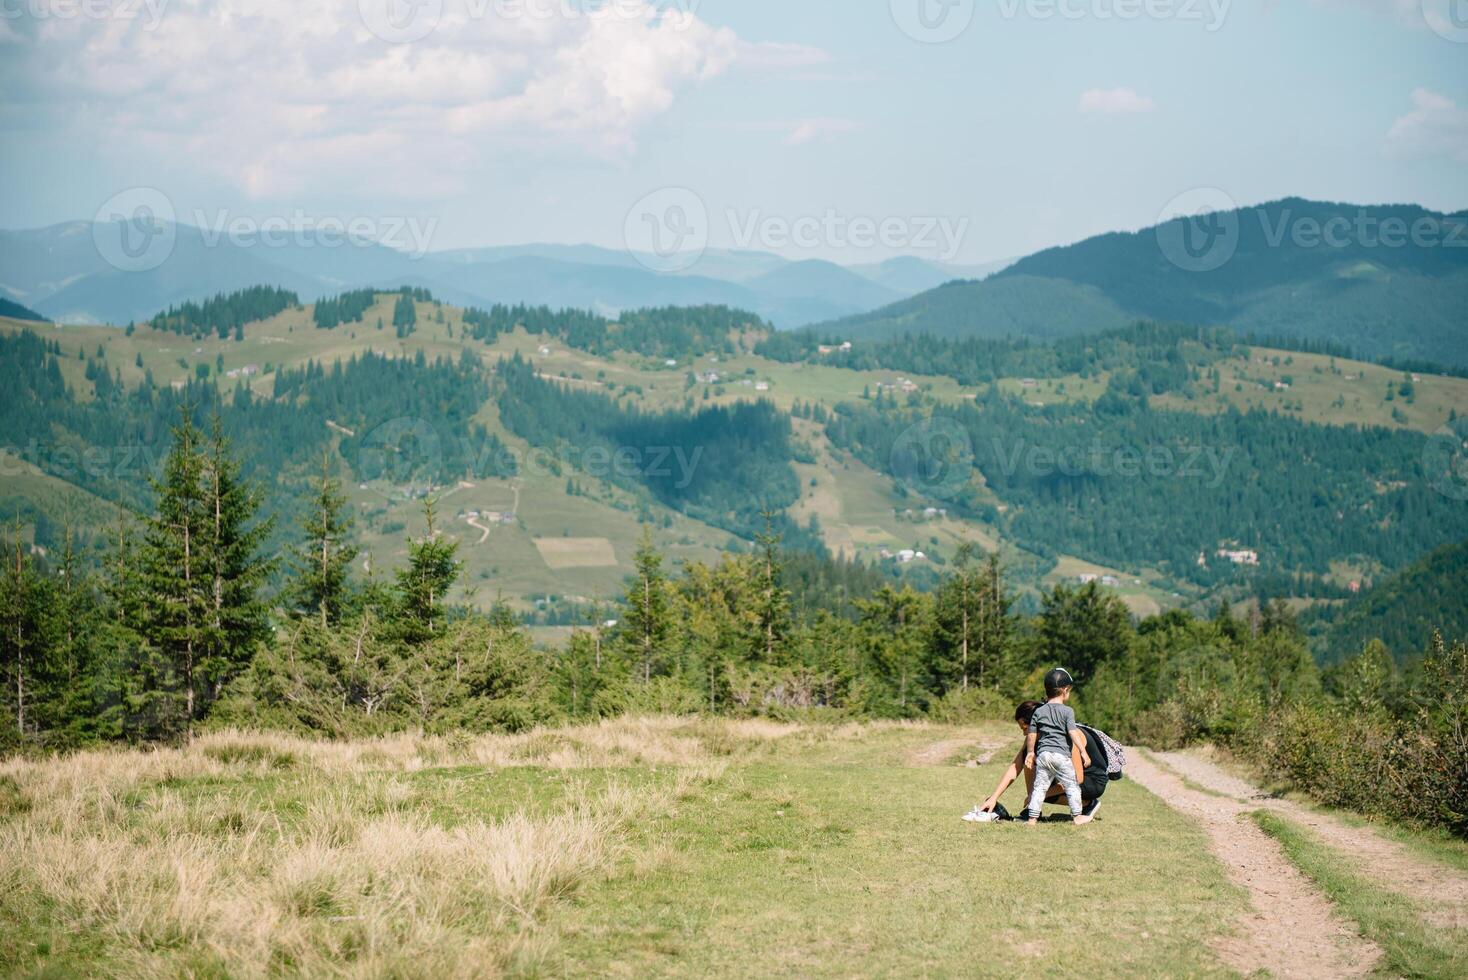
x=17, y=312
x=1402, y=611
x=1365, y=289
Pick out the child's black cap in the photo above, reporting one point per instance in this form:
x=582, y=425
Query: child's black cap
x=1058, y=678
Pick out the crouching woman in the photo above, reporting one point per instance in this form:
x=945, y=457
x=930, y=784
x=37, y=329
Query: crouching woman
x=1092, y=785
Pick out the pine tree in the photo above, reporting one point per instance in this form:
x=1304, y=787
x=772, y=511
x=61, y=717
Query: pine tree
x=894, y=626
x=324, y=560
x=648, y=622
x=972, y=624
x=76, y=617
x=237, y=615
x=578, y=674
x=772, y=599
x=122, y=652
x=423, y=585
x=177, y=591
x=404, y=315
x=20, y=641
x=1083, y=628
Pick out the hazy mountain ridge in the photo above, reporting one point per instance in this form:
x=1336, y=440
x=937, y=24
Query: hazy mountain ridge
x=1383, y=299
x=59, y=272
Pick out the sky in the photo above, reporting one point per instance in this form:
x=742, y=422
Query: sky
x=849, y=130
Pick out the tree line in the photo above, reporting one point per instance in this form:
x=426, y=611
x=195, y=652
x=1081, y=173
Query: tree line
x=227, y=313
x=180, y=629
x=667, y=332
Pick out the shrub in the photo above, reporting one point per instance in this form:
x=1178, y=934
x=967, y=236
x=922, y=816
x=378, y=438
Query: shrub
x=659, y=696
x=1163, y=727
x=965, y=707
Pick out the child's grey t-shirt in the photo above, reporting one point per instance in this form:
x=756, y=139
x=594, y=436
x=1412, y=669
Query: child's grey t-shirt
x=1053, y=722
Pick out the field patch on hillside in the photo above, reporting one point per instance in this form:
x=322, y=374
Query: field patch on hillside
x=576, y=552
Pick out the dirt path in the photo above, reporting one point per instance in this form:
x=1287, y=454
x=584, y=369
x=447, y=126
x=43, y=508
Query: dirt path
x=1440, y=891
x=1293, y=930
x=937, y=753
x=474, y=523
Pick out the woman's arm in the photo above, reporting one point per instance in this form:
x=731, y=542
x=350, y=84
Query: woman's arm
x=1010, y=775
x=1078, y=741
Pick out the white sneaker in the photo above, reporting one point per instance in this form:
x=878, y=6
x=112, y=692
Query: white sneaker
x=980, y=816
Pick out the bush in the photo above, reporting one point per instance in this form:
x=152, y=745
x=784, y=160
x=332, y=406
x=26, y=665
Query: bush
x=966, y=707
x=1163, y=728
x=1359, y=757
x=659, y=696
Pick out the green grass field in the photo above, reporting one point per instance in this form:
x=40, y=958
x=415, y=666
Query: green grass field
x=631, y=848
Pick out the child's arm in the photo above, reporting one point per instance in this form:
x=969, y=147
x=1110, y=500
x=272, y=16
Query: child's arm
x=1030, y=740
x=1079, y=740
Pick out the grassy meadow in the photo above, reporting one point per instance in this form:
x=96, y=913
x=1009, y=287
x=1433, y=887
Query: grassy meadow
x=629, y=848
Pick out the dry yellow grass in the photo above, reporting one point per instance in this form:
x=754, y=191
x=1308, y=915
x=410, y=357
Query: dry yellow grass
x=122, y=851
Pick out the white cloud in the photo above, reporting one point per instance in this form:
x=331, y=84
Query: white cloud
x=1435, y=125
x=824, y=130
x=288, y=96
x=1115, y=102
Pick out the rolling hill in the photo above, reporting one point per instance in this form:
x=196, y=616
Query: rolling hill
x=1381, y=298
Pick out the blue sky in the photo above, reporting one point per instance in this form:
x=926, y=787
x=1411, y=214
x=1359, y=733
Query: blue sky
x=499, y=127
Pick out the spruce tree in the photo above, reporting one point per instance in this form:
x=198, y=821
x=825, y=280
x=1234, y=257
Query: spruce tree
x=237, y=614
x=648, y=622
x=404, y=315
x=772, y=600
x=422, y=586
x=972, y=624
x=76, y=617
x=121, y=649
x=20, y=641
x=324, y=560
x=176, y=605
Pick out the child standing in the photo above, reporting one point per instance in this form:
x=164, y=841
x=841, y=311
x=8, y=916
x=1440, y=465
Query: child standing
x=1053, y=730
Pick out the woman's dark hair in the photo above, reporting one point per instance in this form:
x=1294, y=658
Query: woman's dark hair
x=1024, y=710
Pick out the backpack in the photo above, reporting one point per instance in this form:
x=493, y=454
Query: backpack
x=1115, y=754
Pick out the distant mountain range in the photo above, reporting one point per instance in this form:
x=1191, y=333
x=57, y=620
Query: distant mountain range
x=60, y=273
x=1388, y=281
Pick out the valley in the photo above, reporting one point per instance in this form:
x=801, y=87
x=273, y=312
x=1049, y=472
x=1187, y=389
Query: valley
x=555, y=539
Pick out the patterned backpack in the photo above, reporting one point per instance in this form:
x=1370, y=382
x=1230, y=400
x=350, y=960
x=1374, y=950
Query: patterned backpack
x=1115, y=754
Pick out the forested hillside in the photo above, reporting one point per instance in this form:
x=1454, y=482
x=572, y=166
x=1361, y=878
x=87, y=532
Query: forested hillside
x=1386, y=282
x=1145, y=454
x=17, y=312
x=1402, y=610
